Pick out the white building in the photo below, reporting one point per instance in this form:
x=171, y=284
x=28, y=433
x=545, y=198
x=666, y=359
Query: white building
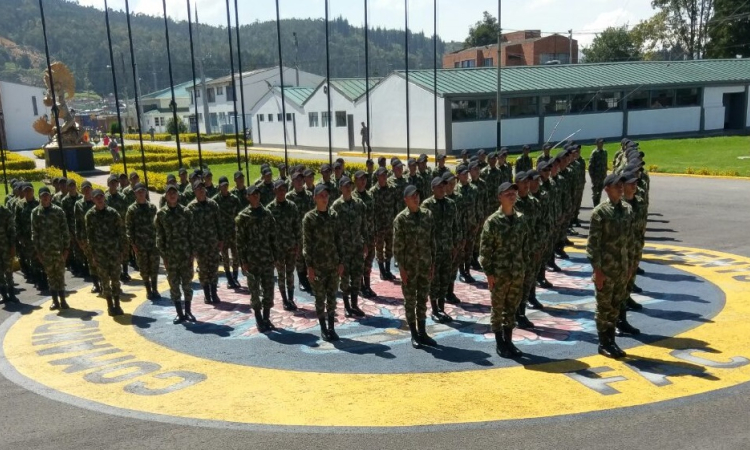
x=20, y=107
x=255, y=84
x=156, y=109
x=538, y=104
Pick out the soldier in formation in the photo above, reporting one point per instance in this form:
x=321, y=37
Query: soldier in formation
x=303, y=200
x=208, y=241
x=598, y=171
x=288, y=229
x=140, y=231
x=51, y=240
x=362, y=194
x=117, y=201
x=353, y=231
x=229, y=206
x=7, y=253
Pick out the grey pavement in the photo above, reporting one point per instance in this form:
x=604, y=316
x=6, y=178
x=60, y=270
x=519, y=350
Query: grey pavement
x=704, y=213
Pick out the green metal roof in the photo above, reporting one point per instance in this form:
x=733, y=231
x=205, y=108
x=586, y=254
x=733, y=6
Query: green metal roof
x=180, y=91
x=583, y=77
x=353, y=88
x=297, y=95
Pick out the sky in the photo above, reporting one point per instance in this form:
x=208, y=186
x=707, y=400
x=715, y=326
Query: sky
x=455, y=17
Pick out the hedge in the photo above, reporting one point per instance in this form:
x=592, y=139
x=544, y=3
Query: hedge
x=14, y=161
x=193, y=137
x=232, y=143
x=146, y=136
x=172, y=165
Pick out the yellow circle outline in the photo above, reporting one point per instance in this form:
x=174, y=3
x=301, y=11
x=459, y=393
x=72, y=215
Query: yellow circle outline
x=260, y=396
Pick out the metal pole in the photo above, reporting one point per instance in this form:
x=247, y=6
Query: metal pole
x=434, y=74
x=367, y=81
x=195, y=84
x=204, y=90
x=296, y=56
x=137, y=101
x=406, y=64
x=570, y=50
x=114, y=83
x=242, y=89
x=498, y=106
x=5, y=174
x=125, y=89
x=55, y=110
x=234, y=87
x=173, y=103
x=281, y=77
x=328, y=90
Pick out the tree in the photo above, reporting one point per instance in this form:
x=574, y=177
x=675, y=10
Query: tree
x=730, y=30
x=613, y=44
x=683, y=23
x=171, y=129
x=483, y=32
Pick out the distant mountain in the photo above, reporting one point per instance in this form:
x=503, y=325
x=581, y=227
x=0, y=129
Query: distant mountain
x=77, y=37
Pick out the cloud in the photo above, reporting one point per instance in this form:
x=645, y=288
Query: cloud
x=615, y=18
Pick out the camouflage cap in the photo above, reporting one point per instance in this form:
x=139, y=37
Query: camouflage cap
x=533, y=174
x=522, y=176
x=97, y=193
x=238, y=174
x=411, y=162
x=410, y=190
x=448, y=176
x=223, y=181
x=325, y=168
x=629, y=177
x=422, y=158
x=133, y=175
x=112, y=178
x=70, y=182
x=171, y=187
x=139, y=187
x=612, y=178
x=360, y=174
x=308, y=173
x=440, y=156
x=296, y=175
x=474, y=165
x=278, y=184
x=199, y=185
x=44, y=190
x=182, y=171
x=345, y=181
x=319, y=188
x=462, y=169
x=505, y=186
x=252, y=189
x=437, y=181
x=86, y=184
x=171, y=177
x=381, y=171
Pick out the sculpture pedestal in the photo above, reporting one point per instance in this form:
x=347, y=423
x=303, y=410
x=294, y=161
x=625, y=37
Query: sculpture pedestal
x=78, y=158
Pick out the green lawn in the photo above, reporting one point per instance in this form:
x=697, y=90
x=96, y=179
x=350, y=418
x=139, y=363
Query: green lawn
x=705, y=156
x=228, y=170
x=37, y=185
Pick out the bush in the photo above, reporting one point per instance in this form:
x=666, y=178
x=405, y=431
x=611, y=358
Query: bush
x=162, y=137
x=53, y=172
x=28, y=175
x=172, y=129
x=14, y=161
x=156, y=181
x=114, y=128
x=193, y=137
x=232, y=143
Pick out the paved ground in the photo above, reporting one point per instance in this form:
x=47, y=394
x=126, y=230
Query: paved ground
x=701, y=213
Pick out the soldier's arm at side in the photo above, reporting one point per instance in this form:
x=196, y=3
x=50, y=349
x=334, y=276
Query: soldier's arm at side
x=488, y=244
x=594, y=244
x=308, y=236
x=399, y=241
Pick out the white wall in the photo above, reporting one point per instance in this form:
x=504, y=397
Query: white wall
x=713, y=105
x=591, y=126
x=19, y=115
x=318, y=136
x=662, y=121
x=483, y=133
x=272, y=133
x=388, y=116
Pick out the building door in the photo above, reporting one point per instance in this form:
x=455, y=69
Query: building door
x=350, y=126
x=734, y=111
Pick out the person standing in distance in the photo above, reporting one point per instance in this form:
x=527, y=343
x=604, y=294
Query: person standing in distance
x=51, y=239
x=598, y=171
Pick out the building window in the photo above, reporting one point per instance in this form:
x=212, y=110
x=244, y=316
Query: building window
x=468, y=63
x=340, y=118
x=582, y=102
x=230, y=94
x=270, y=117
x=548, y=58
x=278, y=117
x=456, y=65
x=519, y=107
x=214, y=118
x=34, y=105
x=219, y=90
x=607, y=101
x=638, y=100
x=200, y=117
x=197, y=94
x=462, y=110
x=262, y=117
x=687, y=97
x=489, y=62
x=312, y=118
x=556, y=104
x=222, y=118
x=662, y=98
x=288, y=117
x=487, y=109
x=324, y=119
x=211, y=95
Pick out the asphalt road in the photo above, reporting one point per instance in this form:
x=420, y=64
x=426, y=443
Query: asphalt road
x=702, y=213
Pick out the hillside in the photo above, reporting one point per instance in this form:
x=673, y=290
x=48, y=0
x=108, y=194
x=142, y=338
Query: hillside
x=77, y=36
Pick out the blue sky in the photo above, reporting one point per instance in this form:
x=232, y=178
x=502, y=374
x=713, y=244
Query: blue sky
x=585, y=17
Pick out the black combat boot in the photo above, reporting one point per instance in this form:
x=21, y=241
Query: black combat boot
x=324, y=330
x=475, y=264
x=236, y=276
x=451, y=296
x=124, y=277
x=533, y=302
x=97, y=288
x=42, y=283
x=304, y=283
x=230, y=281
x=523, y=322
x=632, y=304
x=149, y=293
x=623, y=327
x=467, y=269
x=63, y=303
x=542, y=281
x=383, y=274
x=367, y=291
x=12, y=294
x=618, y=351
x=267, y=318
x=508, y=338
x=180, y=317
x=118, y=310
x=553, y=267
x=290, y=299
x=577, y=221
x=331, y=332
x=388, y=272
x=436, y=315
x=215, y=294
x=415, y=341
x=640, y=271
x=596, y=198
x=207, y=294
x=425, y=338
x=55, y=302
x=500, y=347
x=441, y=308
x=259, y=322
x=155, y=290
x=110, y=306
x=637, y=290
x=355, y=305
x=560, y=252
x=347, y=306
x=284, y=300
x=188, y=311
x=4, y=292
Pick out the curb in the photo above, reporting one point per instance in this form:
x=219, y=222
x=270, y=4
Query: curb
x=688, y=175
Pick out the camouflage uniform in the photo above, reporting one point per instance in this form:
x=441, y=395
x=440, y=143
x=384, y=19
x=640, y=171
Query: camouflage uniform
x=458, y=244
x=81, y=208
x=415, y=251
x=638, y=238
x=385, y=210
x=445, y=218
x=241, y=195
x=609, y=249
x=597, y=172
x=24, y=208
x=141, y=232
x=368, y=235
x=229, y=208
x=324, y=252
x=105, y=231
x=68, y=206
x=119, y=203
x=174, y=239
x=471, y=203
x=259, y=252
x=398, y=184
x=305, y=203
x=266, y=193
x=211, y=191
x=208, y=235
x=187, y=195
x=531, y=210
x=352, y=231
x=129, y=194
x=51, y=239
x=523, y=163
x=493, y=177
x=289, y=235
x=503, y=255
x=7, y=243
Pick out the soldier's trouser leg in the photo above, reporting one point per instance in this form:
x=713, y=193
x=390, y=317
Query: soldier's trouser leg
x=324, y=285
x=609, y=301
x=6, y=272
x=506, y=295
x=415, y=293
x=388, y=245
x=369, y=258
x=286, y=273
x=380, y=245
x=441, y=279
x=631, y=281
x=260, y=283
x=180, y=276
x=109, y=275
x=351, y=280
x=208, y=266
x=230, y=245
x=529, y=280
x=596, y=192
x=54, y=267
x=148, y=264
x=468, y=252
